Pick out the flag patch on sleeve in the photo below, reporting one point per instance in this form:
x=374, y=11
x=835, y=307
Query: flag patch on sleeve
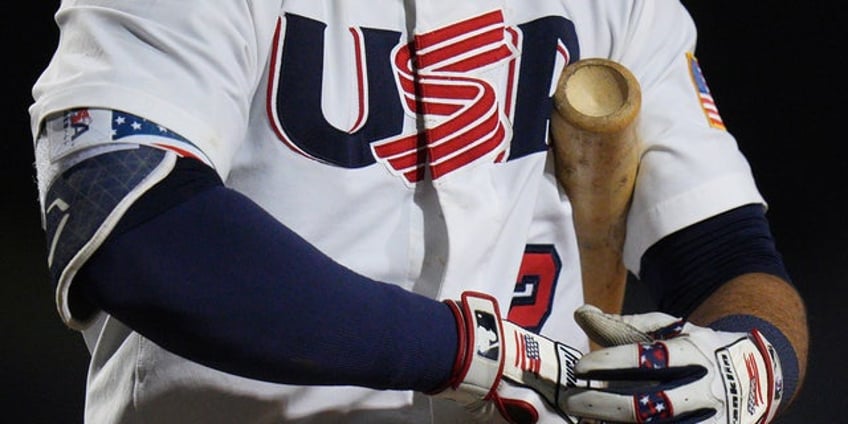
x=705, y=98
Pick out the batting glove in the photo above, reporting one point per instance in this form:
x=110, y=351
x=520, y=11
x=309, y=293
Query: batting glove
x=661, y=369
x=497, y=359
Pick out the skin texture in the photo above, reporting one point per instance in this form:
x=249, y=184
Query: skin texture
x=767, y=297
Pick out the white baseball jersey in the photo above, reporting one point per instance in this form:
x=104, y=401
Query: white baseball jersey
x=407, y=140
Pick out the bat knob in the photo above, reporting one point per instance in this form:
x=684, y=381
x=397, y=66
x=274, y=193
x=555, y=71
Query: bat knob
x=598, y=95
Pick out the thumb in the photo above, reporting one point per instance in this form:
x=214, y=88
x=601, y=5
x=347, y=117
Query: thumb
x=613, y=330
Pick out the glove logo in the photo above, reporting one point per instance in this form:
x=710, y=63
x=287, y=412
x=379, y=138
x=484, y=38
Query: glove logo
x=486, y=338
x=731, y=386
x=568, y=357
x=755, y=393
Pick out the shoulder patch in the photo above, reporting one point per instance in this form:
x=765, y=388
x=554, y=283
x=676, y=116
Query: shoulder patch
x=705, y=98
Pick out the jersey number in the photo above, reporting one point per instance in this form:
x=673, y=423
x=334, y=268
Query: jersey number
x=535, y=287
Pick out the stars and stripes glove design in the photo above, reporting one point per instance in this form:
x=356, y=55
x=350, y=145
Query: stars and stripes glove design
x=656, y=368
x=498, y=360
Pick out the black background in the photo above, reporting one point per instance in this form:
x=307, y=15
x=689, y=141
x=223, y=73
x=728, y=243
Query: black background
x=776, y=72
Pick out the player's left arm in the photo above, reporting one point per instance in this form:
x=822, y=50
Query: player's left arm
x=764, y=297
x=730, y=342
x=727, y=273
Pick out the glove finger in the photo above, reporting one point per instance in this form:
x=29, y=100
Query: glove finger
x=679, y=406
x=613, y=330
x=650, y=356
x=666, y=363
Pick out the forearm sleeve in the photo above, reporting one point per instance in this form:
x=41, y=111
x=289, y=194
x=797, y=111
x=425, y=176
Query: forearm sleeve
x=206, y=273
x=684, y=268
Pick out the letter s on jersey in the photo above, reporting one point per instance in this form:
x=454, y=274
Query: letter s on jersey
x=496, y=124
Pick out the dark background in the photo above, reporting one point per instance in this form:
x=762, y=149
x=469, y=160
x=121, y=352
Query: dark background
x=776, y=73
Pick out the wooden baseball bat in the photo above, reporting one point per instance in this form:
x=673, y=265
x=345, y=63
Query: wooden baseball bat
x=596, y=106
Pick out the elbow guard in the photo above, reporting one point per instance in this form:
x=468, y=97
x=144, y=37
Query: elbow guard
x=89, y=174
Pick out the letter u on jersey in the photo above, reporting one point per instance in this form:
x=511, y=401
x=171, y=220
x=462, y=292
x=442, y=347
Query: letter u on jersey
x=442, y=82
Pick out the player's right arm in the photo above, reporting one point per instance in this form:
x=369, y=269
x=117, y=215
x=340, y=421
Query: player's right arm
x=158, y=242
x=206, y=273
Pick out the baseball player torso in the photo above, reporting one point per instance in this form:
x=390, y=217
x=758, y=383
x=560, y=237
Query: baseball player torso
x=420, y=161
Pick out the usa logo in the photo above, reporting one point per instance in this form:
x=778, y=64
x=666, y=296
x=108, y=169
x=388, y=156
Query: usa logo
x=440, y=82
x=77, y=123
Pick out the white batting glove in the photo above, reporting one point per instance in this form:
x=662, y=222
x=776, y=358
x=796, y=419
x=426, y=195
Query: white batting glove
x=497, y=359
x=661, y=369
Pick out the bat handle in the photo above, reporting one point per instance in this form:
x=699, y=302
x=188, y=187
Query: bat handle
x=593, y=127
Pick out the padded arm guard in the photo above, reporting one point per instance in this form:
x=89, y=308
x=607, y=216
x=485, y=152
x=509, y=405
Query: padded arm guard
x=85, y=188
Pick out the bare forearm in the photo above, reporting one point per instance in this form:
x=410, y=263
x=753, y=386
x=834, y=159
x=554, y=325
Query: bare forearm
x=766, y=297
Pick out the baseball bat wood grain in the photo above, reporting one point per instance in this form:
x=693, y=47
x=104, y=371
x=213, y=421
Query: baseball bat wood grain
x=593, y=126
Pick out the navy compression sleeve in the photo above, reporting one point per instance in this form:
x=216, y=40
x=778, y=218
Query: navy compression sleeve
x=686, y=267
x=204, y=272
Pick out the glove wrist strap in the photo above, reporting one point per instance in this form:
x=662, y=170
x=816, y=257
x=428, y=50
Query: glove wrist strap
x=752, y=378
x=480, y=359
x=781, y=345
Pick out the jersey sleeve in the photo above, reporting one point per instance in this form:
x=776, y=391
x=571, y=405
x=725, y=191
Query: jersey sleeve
x=691, y=167
x=186, y=65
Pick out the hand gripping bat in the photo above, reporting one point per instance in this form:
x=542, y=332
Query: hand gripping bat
x=593, y=126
